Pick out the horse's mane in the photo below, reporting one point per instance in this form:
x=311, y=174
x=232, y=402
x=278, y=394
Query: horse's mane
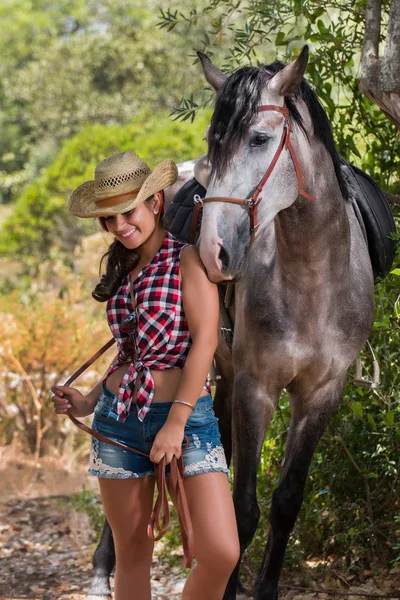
x=236, y=109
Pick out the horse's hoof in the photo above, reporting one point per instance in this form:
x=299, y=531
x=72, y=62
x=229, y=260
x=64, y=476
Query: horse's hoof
x=99, y=588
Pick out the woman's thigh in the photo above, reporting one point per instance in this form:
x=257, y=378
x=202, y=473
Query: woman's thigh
x=127, y=506
x=213, y=517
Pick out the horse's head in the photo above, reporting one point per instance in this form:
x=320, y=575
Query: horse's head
x=243, y=142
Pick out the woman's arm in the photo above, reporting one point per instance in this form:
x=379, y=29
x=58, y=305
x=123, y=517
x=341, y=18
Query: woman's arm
x=201, y=306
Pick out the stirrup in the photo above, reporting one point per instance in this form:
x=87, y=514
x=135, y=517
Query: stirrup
x=359, y=380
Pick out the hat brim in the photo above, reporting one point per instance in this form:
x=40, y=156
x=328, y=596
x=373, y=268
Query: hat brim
x=82, y=202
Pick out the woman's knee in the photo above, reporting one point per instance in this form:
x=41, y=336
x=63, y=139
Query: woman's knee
x=132, y=540
x=221, y=557
x=133, y=549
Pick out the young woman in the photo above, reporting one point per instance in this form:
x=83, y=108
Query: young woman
x=163, y=312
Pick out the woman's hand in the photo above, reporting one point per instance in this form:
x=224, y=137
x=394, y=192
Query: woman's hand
x=168, y=442
x=69, y=399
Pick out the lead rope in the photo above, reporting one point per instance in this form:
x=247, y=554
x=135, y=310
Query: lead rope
x=160, y=516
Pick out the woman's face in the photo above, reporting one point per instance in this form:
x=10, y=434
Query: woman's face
x=134, y=227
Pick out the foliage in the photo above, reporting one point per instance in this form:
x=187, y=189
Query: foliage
x=87, y=501
x=44, y=335
x=41, y=227
x=73, y=63
x=261, y=32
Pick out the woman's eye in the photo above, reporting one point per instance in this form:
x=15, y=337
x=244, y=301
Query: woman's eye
x=128, y=212
x=259, y=140
x=110, y=218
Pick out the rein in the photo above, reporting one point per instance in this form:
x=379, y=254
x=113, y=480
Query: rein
x=253, y=202
x=160, y=516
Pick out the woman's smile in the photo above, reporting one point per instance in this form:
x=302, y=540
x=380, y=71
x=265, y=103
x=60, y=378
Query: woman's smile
x=127, y=234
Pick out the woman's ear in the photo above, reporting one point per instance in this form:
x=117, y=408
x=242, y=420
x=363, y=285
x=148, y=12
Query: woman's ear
x=157, y=202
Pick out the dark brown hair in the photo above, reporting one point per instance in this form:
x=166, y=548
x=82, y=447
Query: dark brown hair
x=120, y=262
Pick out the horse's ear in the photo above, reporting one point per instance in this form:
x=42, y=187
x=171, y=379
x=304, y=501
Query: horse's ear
x=214, y=76
x=287, y=81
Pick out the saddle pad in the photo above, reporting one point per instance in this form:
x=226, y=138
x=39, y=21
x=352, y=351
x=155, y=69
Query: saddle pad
x=178, y=214
x=377, y=218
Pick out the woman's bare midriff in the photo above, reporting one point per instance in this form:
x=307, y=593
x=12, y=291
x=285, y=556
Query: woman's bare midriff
x=166, y=383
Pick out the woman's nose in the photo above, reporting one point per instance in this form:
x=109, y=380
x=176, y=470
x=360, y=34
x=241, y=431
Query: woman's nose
x=119, y=222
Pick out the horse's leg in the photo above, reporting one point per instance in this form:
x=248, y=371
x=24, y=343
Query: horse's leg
x=103, y=564
x=310, y=415
x=252, y=411
x=223, y=401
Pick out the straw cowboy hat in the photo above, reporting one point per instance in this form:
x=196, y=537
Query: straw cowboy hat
x=121, y=182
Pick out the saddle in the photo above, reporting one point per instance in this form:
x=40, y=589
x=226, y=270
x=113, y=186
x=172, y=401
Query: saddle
x=375, y=217
x=369, y=203
x=179, y=212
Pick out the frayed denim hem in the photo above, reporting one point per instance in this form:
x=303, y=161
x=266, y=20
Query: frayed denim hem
x=201, y=471
x=122, y=474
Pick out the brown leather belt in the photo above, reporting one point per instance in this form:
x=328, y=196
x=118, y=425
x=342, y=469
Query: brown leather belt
x=160, y=516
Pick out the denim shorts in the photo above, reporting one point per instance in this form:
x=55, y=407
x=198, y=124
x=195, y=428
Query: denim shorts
x=204, y=453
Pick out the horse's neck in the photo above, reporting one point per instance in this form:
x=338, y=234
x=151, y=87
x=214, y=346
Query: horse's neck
x=309, y=241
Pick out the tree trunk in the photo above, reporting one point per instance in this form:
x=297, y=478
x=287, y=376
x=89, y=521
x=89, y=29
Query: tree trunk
x=380, y=75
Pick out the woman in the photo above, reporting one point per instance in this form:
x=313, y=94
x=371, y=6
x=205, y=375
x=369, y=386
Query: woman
x=163, y=312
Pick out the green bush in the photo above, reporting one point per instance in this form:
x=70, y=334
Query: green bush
x=88, y=502
x=41, y=226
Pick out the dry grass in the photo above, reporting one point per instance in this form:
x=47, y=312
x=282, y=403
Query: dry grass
x=22, y=478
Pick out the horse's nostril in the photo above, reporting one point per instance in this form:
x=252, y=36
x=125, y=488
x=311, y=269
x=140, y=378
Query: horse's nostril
x=223, y=257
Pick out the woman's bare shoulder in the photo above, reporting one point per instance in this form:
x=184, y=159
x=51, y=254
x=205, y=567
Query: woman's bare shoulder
x=190, y=260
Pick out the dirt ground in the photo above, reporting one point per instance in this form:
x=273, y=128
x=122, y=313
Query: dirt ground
x=46, y=545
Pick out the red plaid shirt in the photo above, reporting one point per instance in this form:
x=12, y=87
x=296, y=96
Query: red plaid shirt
x=160, y=339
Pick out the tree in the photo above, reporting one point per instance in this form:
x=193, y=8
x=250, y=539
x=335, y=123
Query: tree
x=65, y=65
x=261, y=32
x=380, y=75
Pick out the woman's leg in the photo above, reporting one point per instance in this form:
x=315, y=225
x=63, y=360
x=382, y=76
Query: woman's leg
x=215, y=536
x=127, y=506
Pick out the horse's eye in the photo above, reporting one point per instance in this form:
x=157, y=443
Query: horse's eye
x=260, y=139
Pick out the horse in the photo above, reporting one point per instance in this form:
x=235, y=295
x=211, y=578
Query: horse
x=277, y=222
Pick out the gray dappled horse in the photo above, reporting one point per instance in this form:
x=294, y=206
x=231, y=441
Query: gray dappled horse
x=303, y=304
x=303, y=291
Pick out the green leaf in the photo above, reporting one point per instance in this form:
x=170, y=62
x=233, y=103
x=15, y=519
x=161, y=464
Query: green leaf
x=395, y=272
x=317, y=13
x=371, y=422
x=280, y=39
x=389, y=418
x=357, y=408
x=353, y=147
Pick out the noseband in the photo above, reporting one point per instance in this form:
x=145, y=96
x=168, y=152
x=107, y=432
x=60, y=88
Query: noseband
x=253, y=202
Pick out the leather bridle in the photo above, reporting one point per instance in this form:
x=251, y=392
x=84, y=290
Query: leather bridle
x=253, y=202
x=160, y=516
